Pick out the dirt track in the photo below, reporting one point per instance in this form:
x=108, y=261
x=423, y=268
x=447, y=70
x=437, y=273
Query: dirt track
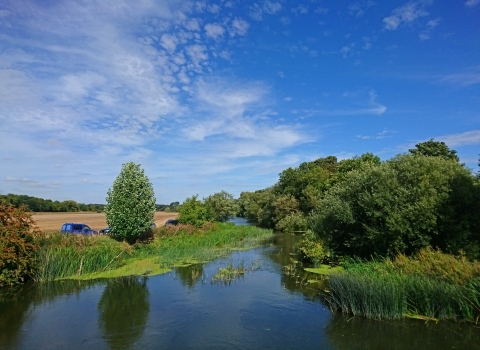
x=96, y=221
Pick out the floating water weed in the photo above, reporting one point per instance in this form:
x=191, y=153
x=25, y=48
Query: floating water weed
x=233, y=271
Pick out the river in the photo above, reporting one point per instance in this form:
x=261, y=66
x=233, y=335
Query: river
x=265, y=309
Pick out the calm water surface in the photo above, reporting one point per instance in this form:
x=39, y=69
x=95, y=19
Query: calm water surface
x=266, y=309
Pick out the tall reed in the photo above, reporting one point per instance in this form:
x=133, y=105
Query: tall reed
x=400, y=288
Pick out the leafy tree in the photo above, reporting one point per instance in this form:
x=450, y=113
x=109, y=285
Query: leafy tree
x=308, y=181
x=257, y=208
x=223, y=206
x=400, y=206
x=17, y=244
x=194, y=212
x=130, y=205
x=433, y=148
x=355, y=163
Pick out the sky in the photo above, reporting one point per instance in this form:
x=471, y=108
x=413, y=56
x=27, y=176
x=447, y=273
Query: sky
x=225, y=94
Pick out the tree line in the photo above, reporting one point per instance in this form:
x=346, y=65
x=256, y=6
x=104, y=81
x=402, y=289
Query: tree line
x=365, y=207
x=36, y=204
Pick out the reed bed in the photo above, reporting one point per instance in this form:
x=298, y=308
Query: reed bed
x=67, y=256
x=443, y=288
x=61, y=255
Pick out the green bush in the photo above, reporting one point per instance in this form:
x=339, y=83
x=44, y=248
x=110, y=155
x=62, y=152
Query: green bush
x=130, y=205
x=194, y=212
x=313, y=249
x=17, y=244
x=400, y=206
x=222, y=205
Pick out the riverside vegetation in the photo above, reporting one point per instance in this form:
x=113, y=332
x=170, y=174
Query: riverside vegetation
x=406, y=231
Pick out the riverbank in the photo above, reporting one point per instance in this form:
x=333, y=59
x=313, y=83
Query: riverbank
x=431, y=286
x=90, y=257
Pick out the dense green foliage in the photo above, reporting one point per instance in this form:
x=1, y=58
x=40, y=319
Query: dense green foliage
x=431, y=285
x=194, y=212
x=72, y=256
x=433, y=148
x=298, y=191
x=47, y=205
x=217, y=207
x=17, y=244
x=401, y=206
x=222, y=205
x=65, y=255
x=130, y=204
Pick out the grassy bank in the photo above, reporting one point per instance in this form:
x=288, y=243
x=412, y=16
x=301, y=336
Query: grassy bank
x=430, y=286
x=88, y=257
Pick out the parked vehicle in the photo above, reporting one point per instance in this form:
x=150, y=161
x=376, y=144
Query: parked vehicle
x=171, y=222
x=77, y=228
x=106, y=230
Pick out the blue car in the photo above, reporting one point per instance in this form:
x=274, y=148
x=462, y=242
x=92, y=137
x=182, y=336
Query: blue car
x=77, y=228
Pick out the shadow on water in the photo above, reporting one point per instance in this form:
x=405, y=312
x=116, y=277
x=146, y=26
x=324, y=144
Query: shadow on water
x=347, y=332
x=17, y=302
x=123, y=311
x=293, y=277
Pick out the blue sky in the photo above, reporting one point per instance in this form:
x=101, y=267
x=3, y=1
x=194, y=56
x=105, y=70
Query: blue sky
x=224, y=95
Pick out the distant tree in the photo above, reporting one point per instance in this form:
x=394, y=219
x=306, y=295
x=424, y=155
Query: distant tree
x=433, y=148
x=194, y=212
x=130, y=204
x=223, y=206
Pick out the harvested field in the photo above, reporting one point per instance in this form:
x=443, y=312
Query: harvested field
x=96, y=221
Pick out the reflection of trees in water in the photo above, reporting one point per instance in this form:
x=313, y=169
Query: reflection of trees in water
x=348, y=332
x=295, y=279
x=189, y=275
x=123, y=311
x=16, y=302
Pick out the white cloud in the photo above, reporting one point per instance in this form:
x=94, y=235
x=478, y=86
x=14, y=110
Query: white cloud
x=213, y=8
x=463, y=79
x=239, y=27
x=169, y=42
x=472, y=3
x=192, y=24
x=214, y=30
x=300, y=10
x=406, y=14
x=257, y=10
x=461, y=139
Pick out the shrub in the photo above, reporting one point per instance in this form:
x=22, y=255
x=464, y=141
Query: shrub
x=400, y=206
x=131, y=204
x=313, y=249
x=222, y=205
x=194, y=212
x=17, y=245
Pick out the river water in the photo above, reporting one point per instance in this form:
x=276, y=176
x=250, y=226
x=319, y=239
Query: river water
x=265, y=309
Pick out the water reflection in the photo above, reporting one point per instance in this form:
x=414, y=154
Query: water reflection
x=16, y=304
x=123, y=311
x=189, y=275
x=293, y=277
x=268, y=308
x=347, y=332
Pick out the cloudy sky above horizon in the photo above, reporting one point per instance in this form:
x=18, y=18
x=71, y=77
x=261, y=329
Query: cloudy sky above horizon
x=225, y=94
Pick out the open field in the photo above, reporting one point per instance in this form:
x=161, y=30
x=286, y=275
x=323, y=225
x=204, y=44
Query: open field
x=96, y=221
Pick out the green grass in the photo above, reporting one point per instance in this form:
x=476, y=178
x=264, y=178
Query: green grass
x=405, y=288
x=88, y=257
